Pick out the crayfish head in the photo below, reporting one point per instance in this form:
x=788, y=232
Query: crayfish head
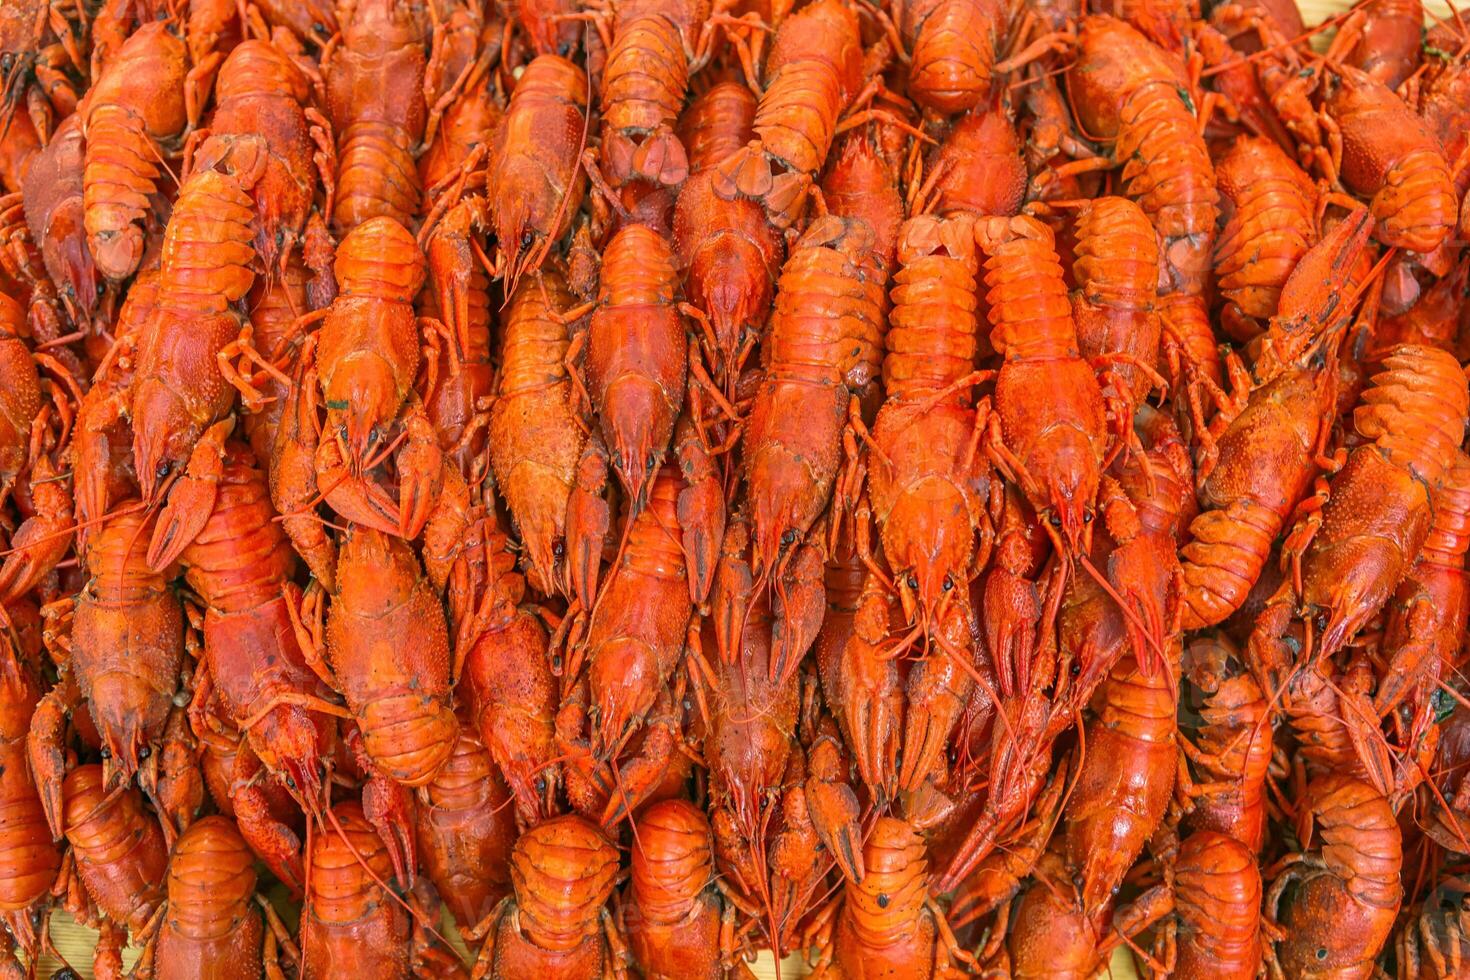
x=124, y=746
x=1066, y=472
x=362, y=397
x=782, y=491
x=1069, y=525
x=288, y=742
x=729, y=279
x=637, y=429
x=624, y=680
x=518, y=224
x=163, y=432
x=928, y=539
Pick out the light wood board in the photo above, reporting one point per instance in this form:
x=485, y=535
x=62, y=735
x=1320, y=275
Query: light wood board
x=1316, y=11
x=75, y=942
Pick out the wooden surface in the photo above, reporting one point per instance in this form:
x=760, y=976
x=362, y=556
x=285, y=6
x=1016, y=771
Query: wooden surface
x=1315, y=11
x=75, y=943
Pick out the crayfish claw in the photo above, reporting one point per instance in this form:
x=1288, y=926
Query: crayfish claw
x=634, y=781
x=836, y=818
x=701, y=511
x=191, y=499
x=732, y=591
x=275, y=843
x=43, y=539
x=587, y=524
x=421, y=468
x=800, y=607
x=1311, y=302
x=46, y=752
x=390, y=809
x=388, y=806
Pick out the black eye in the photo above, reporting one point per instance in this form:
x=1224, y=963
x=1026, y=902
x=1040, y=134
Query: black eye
x=556, y=662
x=558, y=549
x=1322, y=953
x=162, y=470
x=319, y=28
x=144, y=753
x=290, y=781
x=540, y=784
x=527, y=237
x=764, y=802
x=105, y=752
x=652, y=461
x=913, y=581
x=1075, y=669
x=7, y=61
x=948, y=583
x=1087, y=517
x=789, y=536
x=1054, y=520
x=564, y=49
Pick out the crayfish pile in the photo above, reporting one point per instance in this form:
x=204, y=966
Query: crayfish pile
x=943, y=488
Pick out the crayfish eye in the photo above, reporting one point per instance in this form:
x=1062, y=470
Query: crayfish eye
x=527, y=237
x=7, y=61
x=651, y=462
x=540, y=784
x=564, y=49
x=913, y=581
x=788, y=537
x=144, y=753
x=319, y=29
x=1054, y=520
x=105, y=752
x=765, y=802
x=162, y=470
x=1322, y=952
x=290, y=781
x=558, y=550
x=948, y=583
x=1075, y=669
x=1087, y=516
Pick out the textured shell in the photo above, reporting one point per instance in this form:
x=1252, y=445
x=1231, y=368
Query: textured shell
x=212, y=923
x=563, y=872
